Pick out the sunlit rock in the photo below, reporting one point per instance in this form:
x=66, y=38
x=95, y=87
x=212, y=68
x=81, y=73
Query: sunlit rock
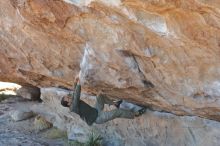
x=164, y=54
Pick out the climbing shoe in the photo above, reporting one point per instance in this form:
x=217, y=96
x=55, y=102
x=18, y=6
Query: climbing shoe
x=118, y=103
x=140, y=112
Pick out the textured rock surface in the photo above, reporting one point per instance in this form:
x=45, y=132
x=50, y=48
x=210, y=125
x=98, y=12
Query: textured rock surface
x=19, y=115
x=41, y=124
x=151, y=129
x=22, y=133
x=161, y=53
x=29, y=92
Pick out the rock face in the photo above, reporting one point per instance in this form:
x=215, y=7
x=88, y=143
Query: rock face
x=151, y=129
x=21, y=115
x=23, y=132
x=160, y=53
x=29, y=92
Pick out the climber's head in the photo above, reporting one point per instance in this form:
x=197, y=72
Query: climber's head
x=66, y=101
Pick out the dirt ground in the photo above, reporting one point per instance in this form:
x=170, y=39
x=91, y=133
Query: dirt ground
x=22, y=133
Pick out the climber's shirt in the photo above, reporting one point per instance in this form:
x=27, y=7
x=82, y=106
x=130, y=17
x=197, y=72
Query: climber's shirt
x=86, y=112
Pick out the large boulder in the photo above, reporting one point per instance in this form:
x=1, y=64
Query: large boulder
x=29, y=92
x=19, y=115
x=151, y=129
x=163, y=53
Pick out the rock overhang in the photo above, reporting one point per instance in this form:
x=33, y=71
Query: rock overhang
x=162, y=54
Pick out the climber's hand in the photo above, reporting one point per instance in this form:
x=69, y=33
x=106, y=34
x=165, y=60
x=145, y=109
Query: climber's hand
x=77, y=79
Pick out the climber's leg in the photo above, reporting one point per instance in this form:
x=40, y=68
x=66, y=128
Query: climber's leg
x=101, y=100
x=118, y=113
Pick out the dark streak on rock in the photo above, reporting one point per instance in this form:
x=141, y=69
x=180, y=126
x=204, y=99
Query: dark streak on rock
x=147, y=84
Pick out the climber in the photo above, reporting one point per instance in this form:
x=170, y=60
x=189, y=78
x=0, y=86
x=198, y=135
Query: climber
x=96, y=115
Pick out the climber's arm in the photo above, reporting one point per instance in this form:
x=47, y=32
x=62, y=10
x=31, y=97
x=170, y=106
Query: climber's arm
x=76, y=99
x=76, y=96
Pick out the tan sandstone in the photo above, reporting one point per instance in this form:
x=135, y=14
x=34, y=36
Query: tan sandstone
x=159, y=53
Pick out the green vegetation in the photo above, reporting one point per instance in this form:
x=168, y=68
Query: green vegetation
x=75, y=143
x=94, y=140
x=4, y=96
